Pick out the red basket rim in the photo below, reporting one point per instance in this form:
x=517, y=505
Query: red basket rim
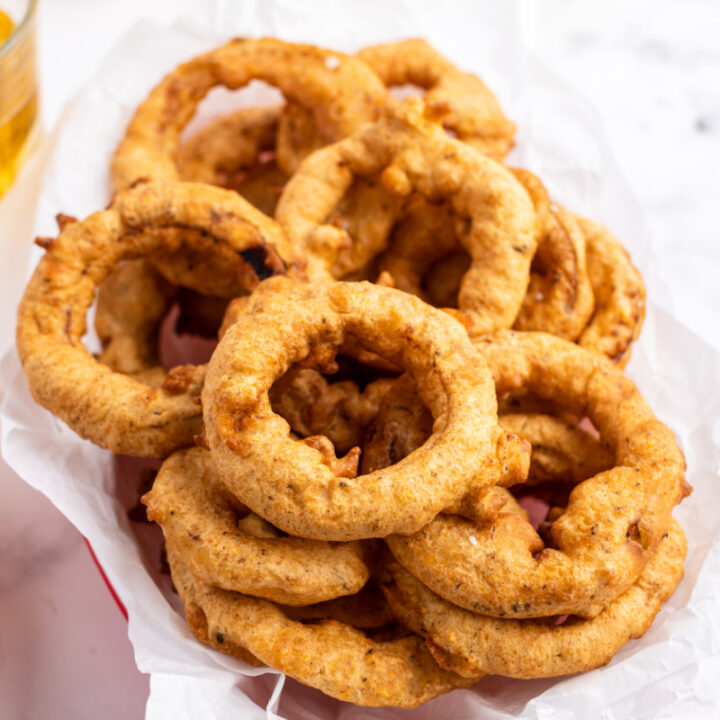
x=108, y=584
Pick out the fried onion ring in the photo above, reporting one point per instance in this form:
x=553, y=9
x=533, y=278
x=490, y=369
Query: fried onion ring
x=342, y=92
x=559, y=299
x=619, y=295
x=199, y=518
x=111, y=409
x=331, y=656
x=297, y=487
x=471, y=110
x=423, y=259
x=474, y=645
x=228, y=153
x=410, y=153
x=613, y=521
x=561, y=451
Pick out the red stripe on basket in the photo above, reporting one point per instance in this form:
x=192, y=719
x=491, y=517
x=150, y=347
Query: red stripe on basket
x=105, y=578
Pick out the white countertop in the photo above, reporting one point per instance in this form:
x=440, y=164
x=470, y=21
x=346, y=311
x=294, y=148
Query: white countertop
x=651, y=69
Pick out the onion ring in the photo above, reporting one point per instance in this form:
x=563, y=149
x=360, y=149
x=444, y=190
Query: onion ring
x=561, y=451
x=410, y=153
x=113, y=410
x=293, y=486
x=335, y=658
x=612, y=523
x=341, y=90
x=559, y=297
x=619, y=295
x=228, y=153
x=199, y=518
x=472, y=113
x=474, y=645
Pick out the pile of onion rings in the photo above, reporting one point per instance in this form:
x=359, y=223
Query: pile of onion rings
x=412, y=458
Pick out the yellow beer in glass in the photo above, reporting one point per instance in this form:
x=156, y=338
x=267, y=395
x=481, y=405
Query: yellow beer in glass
x=18, y=85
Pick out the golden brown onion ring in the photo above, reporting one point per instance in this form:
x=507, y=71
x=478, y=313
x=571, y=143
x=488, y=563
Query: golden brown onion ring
x=619, y=296
x=425, y=258
x=471, y=110
x=331, y=656
x=474, y=645
x=199, y=518
x=299, y=488
x=410, y=153
x=613, y=521
x=111, y=409
x=342, y=92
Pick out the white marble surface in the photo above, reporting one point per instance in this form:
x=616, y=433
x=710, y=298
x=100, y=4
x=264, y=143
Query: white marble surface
x=651, y=68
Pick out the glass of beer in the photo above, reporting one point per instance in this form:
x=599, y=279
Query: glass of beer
x=18, y=85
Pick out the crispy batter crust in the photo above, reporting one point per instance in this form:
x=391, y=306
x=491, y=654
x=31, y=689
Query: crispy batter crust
x=425, y=258
x=291, y=484
x=619, y=296
x=559, y=298
x=410, y=153
x=470, y=110
x=473, y=645
x=331, y=656
x=199, y=519
x=111, y=409
x=342, y=92
x=612, y=524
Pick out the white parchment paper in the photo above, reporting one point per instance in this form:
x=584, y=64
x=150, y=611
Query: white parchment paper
x=672, y=671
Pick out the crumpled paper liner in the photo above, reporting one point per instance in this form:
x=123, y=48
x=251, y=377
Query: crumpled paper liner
x=672, y=670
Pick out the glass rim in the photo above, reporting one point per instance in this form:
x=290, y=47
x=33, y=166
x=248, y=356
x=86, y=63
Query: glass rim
x=21, y=29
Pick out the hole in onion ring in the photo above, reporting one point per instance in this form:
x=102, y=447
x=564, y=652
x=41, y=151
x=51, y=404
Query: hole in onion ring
x=220, y=101
x=338, y=402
